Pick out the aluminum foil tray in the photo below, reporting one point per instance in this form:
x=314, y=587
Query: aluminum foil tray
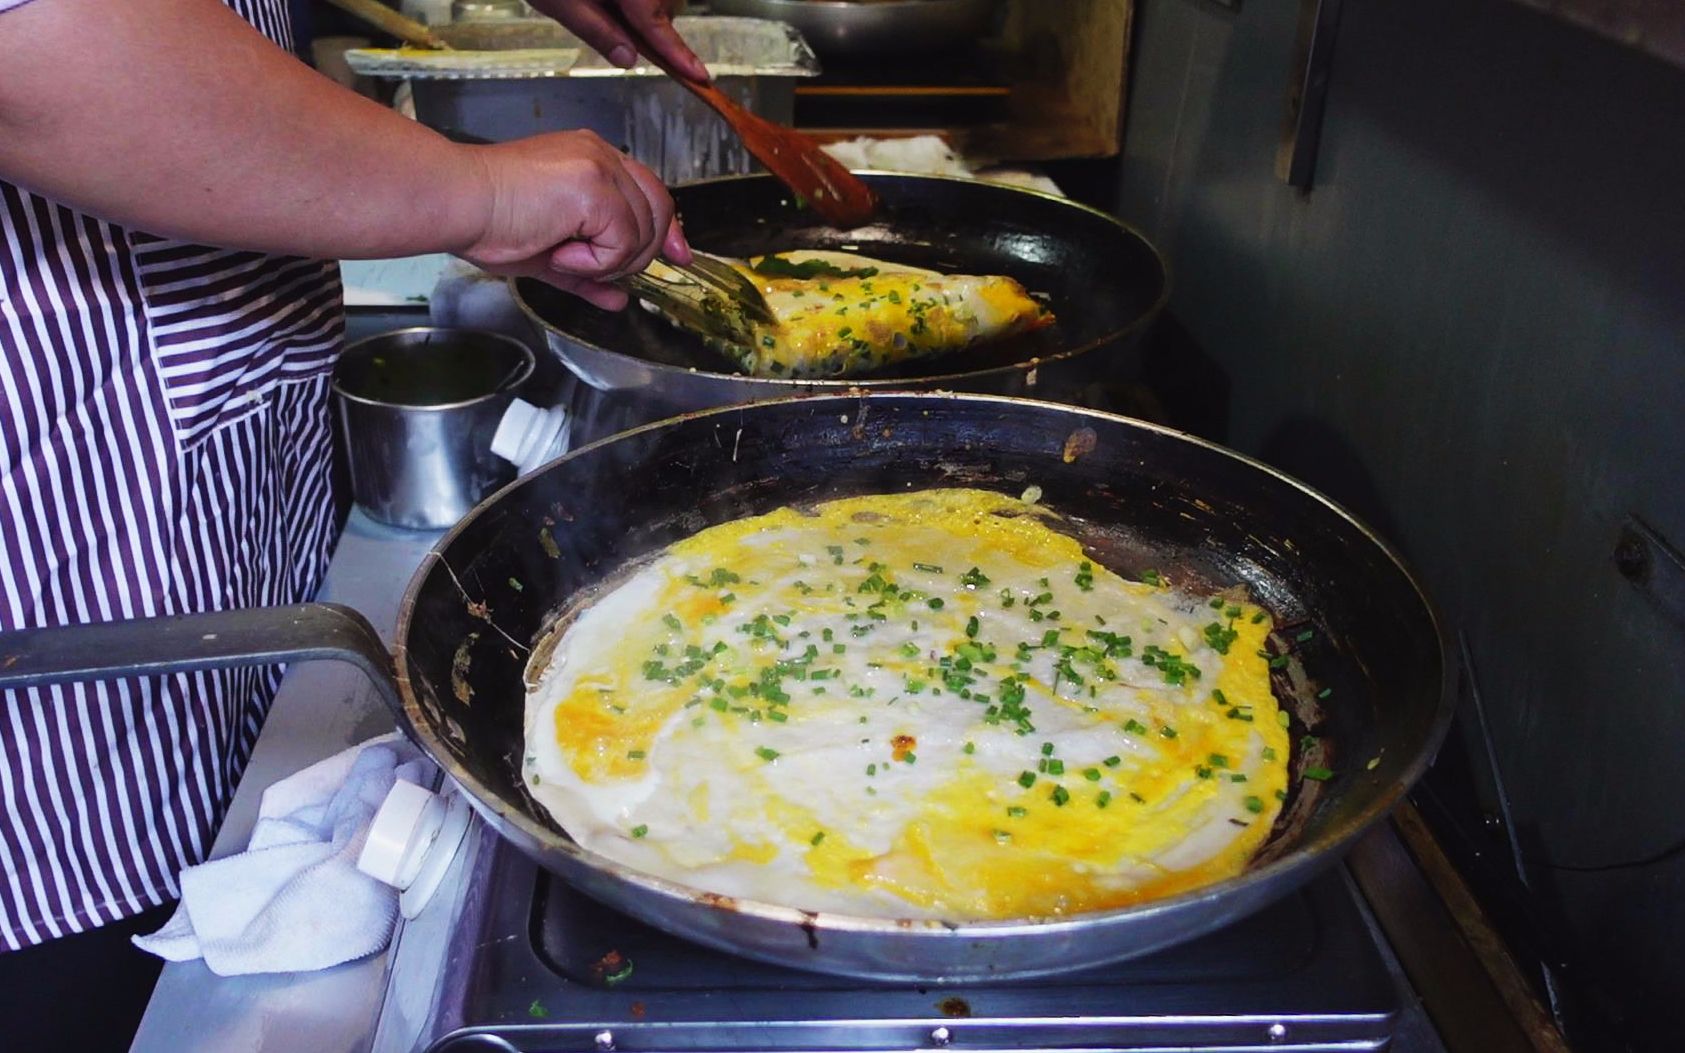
x=424, y=64
x=538, y=47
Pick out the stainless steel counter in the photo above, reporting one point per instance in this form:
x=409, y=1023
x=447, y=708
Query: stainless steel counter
x=321, y=708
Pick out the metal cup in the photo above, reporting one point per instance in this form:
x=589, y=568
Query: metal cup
x=417, y=409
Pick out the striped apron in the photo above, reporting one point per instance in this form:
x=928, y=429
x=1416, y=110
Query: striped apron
x=164, y=448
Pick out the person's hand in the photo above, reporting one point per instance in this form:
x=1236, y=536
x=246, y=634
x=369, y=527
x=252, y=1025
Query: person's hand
x=570, y=209
x=653, y=20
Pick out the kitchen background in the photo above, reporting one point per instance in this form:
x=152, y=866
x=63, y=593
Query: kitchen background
x=1471, y=330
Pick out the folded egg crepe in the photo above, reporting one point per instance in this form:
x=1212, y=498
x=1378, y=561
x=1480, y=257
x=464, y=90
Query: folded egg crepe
x=838, y=313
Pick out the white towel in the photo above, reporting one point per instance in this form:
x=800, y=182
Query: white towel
x=295, y=900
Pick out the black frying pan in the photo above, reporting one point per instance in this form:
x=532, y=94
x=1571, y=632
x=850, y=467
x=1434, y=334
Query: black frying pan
x=1138, y=497
x=1102, y=279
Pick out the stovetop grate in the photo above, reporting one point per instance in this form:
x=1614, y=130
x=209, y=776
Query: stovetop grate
x=542, y=968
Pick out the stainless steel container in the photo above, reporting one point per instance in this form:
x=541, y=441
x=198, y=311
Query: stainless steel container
x=417, y=409
x=640, y=110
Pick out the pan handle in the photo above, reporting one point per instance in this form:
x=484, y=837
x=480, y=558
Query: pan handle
x=193, y=642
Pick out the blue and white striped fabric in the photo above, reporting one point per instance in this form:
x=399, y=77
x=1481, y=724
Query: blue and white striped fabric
x=164, y=448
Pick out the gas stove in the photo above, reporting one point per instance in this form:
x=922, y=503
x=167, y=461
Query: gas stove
x=513, y=959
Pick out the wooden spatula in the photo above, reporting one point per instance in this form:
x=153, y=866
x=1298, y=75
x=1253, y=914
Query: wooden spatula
x=838, y=195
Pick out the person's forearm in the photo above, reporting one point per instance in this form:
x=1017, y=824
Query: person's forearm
x=176, y=117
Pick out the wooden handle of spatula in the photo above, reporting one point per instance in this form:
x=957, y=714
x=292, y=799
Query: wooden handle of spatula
x=382, y=17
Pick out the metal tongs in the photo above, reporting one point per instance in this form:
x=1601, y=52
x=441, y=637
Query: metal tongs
x=709, y=297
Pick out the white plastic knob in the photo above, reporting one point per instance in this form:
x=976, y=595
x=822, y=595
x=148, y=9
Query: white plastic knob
x=528, y=436
x=412, y=841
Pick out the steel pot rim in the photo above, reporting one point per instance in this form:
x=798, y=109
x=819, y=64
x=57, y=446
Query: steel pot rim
x=518, y=376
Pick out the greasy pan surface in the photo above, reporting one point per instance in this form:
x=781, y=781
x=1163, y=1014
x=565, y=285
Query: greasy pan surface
x=1103, y=281
x=1140, y=497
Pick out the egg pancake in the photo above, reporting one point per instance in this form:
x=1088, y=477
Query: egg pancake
x=919, y=705
x=839, y=313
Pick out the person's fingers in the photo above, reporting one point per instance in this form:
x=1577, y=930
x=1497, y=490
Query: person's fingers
x=652, y=19
x=581, y=259
x=660, y=204
x=646, y=225
x=674, y=246
x=596, y=27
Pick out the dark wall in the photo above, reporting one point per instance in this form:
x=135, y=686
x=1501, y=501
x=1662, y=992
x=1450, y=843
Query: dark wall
x=1472, y=331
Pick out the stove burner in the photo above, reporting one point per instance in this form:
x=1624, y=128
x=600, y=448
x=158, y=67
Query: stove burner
x=533, y=965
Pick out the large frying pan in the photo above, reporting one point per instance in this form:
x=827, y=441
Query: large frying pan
x=1103, y=280
x=1137, y=495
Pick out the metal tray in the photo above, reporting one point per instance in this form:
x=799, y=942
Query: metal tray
x=755, y=61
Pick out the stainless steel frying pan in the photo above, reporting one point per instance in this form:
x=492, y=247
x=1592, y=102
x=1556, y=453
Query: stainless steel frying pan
x=1139, y=496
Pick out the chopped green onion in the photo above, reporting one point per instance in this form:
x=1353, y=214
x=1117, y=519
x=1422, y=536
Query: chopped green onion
x=1318, y=773
x=1026, y=779
x=1017, y=812
x=1254, y=804
x=1060, y=796
x=766, y=753
x=1104, y=798
x=634, y=754
x=1091, y=774
x=640, y=830
x=814, y=841
x=970, y=747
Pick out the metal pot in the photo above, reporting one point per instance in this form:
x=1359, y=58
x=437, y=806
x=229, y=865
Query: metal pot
x=417, y=409
x=840, y=28
x=1374, y=682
